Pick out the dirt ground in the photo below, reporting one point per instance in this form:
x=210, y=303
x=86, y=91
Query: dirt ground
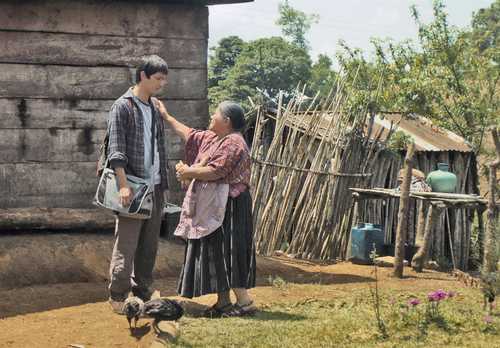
x=62, y=315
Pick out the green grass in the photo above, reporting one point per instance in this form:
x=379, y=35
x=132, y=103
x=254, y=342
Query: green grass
x=348, y=321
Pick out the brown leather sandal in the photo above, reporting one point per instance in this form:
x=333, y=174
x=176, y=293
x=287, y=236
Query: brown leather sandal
x=241, y=310
x=218, y=312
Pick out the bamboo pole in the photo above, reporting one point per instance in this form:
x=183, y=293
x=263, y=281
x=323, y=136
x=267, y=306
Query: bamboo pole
x=303, y=174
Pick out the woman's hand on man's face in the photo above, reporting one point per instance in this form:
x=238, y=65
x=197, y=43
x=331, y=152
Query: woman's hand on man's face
x=161, y=108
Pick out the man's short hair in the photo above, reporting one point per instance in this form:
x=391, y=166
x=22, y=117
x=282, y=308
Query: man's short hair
x=151, y=65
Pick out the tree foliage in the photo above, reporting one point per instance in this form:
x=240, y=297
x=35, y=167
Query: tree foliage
x=295, y=24
x=265, y=66
x=486, y=29
x=446, y=75
x=223, y=58
x=241, y=70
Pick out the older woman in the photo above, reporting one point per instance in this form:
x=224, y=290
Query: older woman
x=224, y=259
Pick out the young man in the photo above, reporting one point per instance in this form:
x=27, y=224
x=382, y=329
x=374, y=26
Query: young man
x=137, y=147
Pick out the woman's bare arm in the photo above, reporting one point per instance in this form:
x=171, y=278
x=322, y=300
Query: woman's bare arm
x=204, y=173
x=179, y=128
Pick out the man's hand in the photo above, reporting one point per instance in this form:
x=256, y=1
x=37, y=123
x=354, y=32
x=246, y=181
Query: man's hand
x=125, y=192
x=126, y=195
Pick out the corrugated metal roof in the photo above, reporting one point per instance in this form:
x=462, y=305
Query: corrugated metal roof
x=427, y=136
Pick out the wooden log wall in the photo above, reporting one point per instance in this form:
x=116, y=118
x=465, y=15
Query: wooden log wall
x=62, y=64
x=458, y=222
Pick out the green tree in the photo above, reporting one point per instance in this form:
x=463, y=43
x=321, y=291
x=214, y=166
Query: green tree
x=265, y=66
x=362, y=83
x=222, y=58
x=322, y=76
x=445, y=76
x=295, y=24
x=486, y=29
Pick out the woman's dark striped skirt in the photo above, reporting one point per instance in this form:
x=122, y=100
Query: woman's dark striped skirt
x=224, y=259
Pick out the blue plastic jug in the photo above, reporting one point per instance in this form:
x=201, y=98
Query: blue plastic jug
x=364, y=237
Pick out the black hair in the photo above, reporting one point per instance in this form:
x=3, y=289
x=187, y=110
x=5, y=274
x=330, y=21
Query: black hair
x=235, y=113
x=151, y=65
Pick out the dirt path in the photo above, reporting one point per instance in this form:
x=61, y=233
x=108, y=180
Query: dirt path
x=64, y=314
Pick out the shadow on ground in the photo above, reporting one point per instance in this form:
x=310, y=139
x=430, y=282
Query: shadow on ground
x=39, y=298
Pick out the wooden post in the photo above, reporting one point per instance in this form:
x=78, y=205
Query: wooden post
x=404, y=202
x=480, y=237
x=354, y=221
x=419, y=238
x=420, y=257
x=450, y=241
x=490, y=253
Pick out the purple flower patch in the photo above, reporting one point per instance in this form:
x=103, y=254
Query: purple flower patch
x=414, y=302
x=437, y=295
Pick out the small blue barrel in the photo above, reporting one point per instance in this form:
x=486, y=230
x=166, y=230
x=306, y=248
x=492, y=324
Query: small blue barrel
x=363, y=238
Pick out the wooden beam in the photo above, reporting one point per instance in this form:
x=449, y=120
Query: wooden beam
x=458, y=200
x=98, y=50
x=50, y=145
x=26, y=113
x=69, y=82
x=64, y=145
x=55, y=219
x=18, y=180
x=55, y=184
x=121, y=18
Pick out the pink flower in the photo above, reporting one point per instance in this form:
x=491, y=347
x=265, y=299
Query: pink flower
x=437, y=295
x=451, y=294
x=488, y=319
x=414, y=302
x=431, y=296
x=441, y=294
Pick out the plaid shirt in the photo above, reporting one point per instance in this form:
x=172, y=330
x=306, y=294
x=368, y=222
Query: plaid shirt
x=126, y=138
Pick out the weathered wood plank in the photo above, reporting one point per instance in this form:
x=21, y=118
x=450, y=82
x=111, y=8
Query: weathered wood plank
x=46, y=179
x=56, y=185
x=62, y=200
x=63, y=145
x=81, y=49
x=49, y=145
x=82, y=113
x=122, y=18
x=56, y=219
x=52, y=81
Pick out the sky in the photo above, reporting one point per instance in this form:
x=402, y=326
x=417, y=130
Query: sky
x=354, y=21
